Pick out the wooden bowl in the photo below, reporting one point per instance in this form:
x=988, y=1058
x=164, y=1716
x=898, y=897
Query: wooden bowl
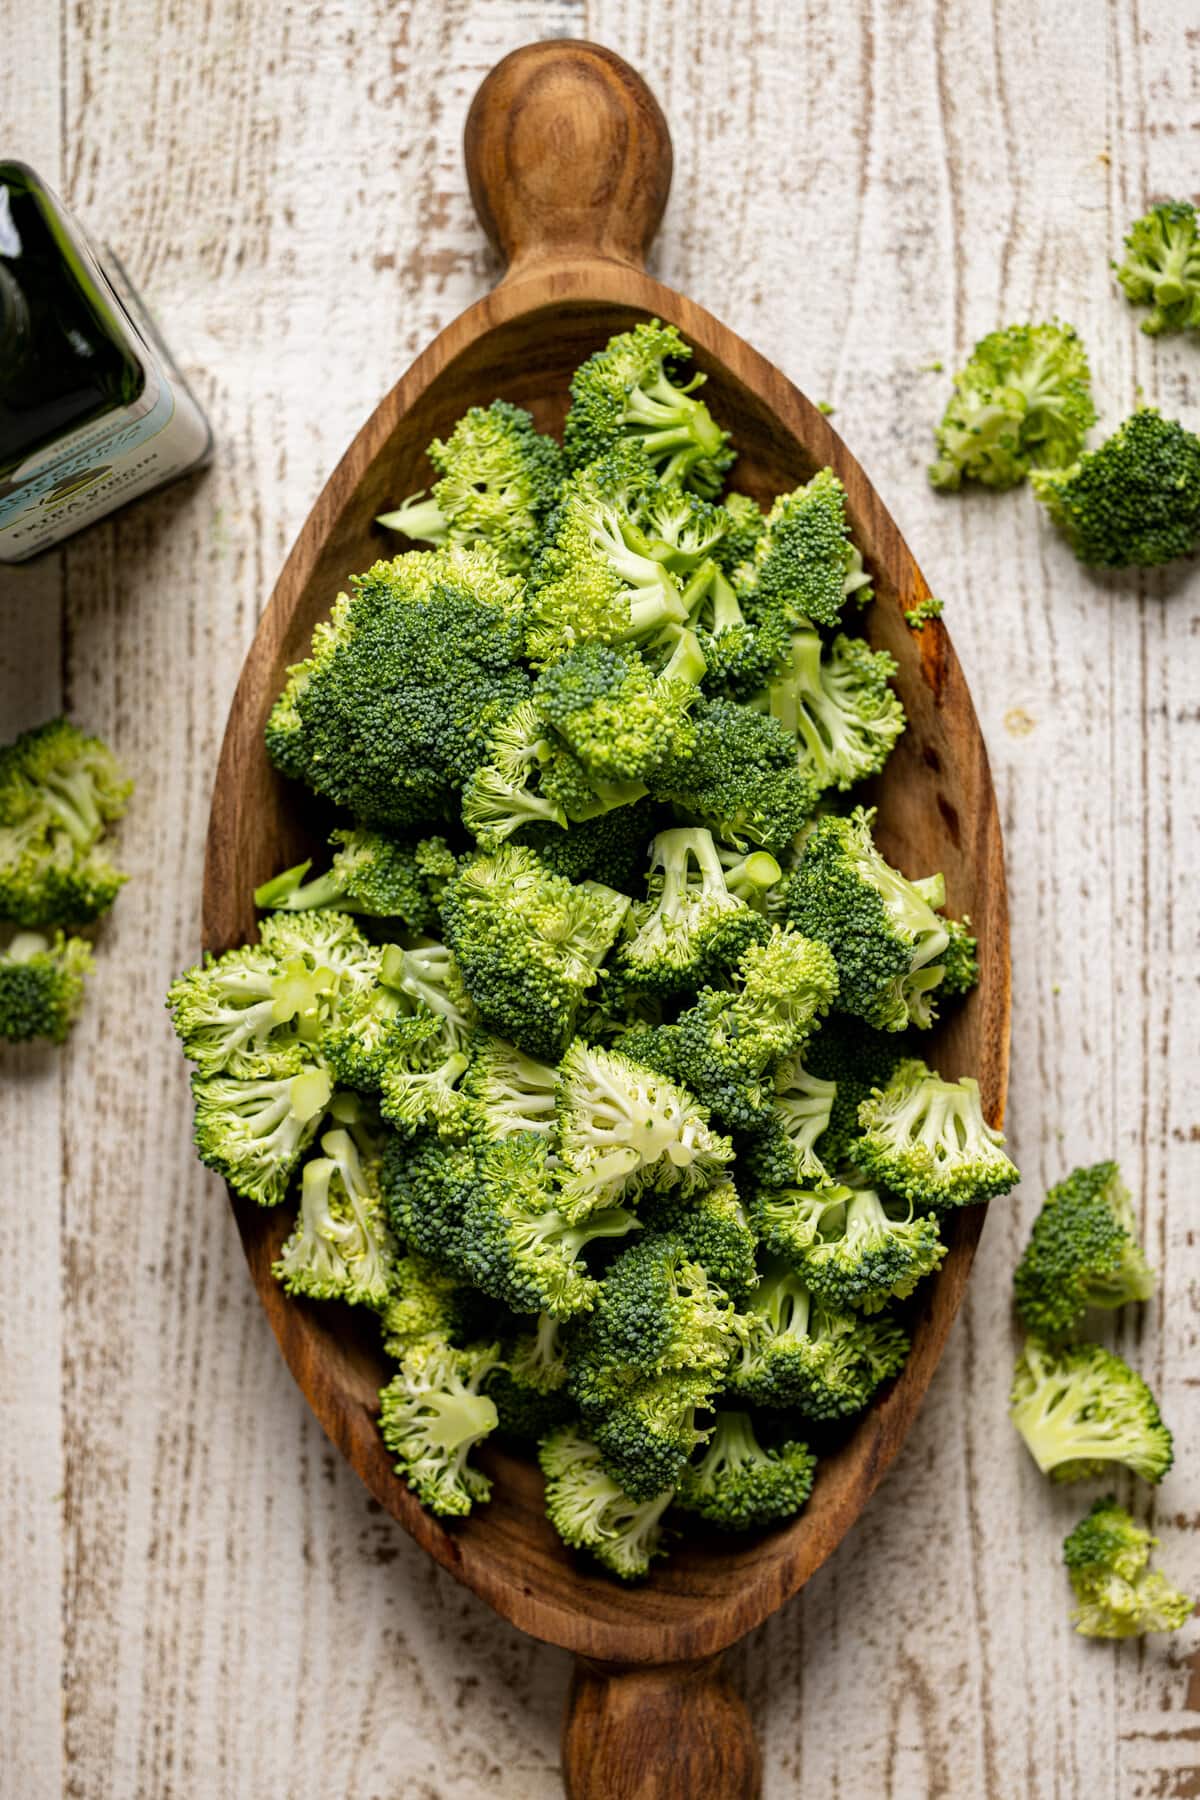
x=569, y=163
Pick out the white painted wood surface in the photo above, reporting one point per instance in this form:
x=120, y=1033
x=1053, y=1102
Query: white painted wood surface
x=200, y=1600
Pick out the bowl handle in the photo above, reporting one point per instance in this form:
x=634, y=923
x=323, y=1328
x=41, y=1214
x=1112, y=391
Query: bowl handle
x=675, y=1732
x=568, y=157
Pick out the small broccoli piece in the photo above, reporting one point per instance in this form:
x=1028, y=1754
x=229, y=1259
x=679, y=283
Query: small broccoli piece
x=419, y=1085
x=746, y=526
x=788, y=1219
x=374, y=1031
x=868, y=1249
x=255, y=1130
x=924, y=612
x=530, y=781
x=741, y=780
x=525, y=1413
x=886, y=937
x=928, y=1139
x=528, y=944
x=691, y=928
x=232, y=1012
x=798, y=1352
x=619, y=718
x=425, y=1301
x=328, y=940
x=742, y=637
x=738, y=1483
x=656, y=1311
x=1135, y=501
x=712, y=1228
x=630, y=391
x=611, y=847
x=960, y=964
x=432, y=1414
x=59, y=791
x=499, y=480
x=645, y=1426
x=1083, y=1251
x=590, y=1512
x=1161, y=269
x=41, y=985
x=427, y=1184
x=681, y=529
x=805, y=561
x=392, y=711
x=857, y=1060
x=1120, y=1596
x=782, y=1151
x=838, y=707
x=620, y=1122
x=1081, y=1408
x=341, y=1248
x=371, y=873
x=1023, y=401
x=517, y=1246
x=511, y=1094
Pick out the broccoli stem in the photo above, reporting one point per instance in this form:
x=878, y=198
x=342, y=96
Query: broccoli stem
x=417, y=517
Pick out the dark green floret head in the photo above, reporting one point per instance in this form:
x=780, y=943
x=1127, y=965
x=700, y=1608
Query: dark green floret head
x=1083, y=1251
x=615, y=713
x=1107, y=1558
x=741, y=778
x=1135, y=501
x=805, y=560
x=737, y=1483
x=41, y=985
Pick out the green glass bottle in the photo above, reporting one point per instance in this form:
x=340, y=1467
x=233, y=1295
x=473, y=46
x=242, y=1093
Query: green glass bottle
x=93, y=412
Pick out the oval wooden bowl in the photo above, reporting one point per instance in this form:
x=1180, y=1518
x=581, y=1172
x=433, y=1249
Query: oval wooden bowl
x=569, y=162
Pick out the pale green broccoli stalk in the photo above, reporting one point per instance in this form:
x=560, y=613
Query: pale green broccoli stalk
x=752, y=875
x=511, y=1094
x=499, y=480
x=255, y=1130
x=1161, y=268
x=839, y=707
x=782, y=1152
x=1107, y=1558
x=713, y=1228
x=619, y=718
x=59, y=792
x=738, y=1484
x=741, y=779
x=630, y=391
x=41, y=985
x=804, y=561
x=868, y=1249
x=590, y=1512
x=432, y=1414
x=798, y=1352
x=1083, y=1251
x=1081, y=1408
x=928, y=1139
x=690, y=928
x=1135, y=501
x=1023, y=401
x=341, y=1248
x=373, y=874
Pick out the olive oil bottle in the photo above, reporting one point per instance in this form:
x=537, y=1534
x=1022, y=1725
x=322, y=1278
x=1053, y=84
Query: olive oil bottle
x=93, y=412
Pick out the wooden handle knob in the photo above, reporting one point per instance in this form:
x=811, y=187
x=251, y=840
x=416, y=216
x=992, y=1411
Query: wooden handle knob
x=672, y=1733
x=568, y=155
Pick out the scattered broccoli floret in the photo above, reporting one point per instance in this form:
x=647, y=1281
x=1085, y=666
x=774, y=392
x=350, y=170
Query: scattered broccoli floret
x=691, y=928
x=1023, y=401
x=499, y=481
x=1083, y=1251
x=615, y=714
x=924, y=612
x=41, y=985
x=631, y=390
x=738, y=1484
x=868, y=1249
x=371, y=873
x=1120, y=1596
x=59, y=791
x=590, y=1512
x=741, y=779
x=1081, y=1408
x=928, y=1139
x=341, y=1248
x=838, y=706
x=255, y=1130
x=1135, y=501
x=712, y=1228
x=805, y=560
x=1161, y=268
x=798, y=1352
x=783, y=1150
x=432, y=1414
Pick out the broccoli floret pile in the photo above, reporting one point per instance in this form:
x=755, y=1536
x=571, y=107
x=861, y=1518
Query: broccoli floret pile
x=569, y=1057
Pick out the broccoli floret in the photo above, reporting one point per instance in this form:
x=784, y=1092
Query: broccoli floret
x=960, y=964
x=1022, y=402
x=798, y=1352
x=742, y=638
x=612, y=847
x=425, y=1300
x=645, y=1426
x=788, y=1219
x=738, y=1483
x=712, y=1228
x=1161, y=269
x=681, y=529
x=233, y=1011
x=1081, y=1408
x=619, y=718
x=530, y=781
x=391, y=713
x=868, y=1249
x=857, y=1060
x=419, y=1085
x=427, y=1185
x=1083, y=1251
x=805, y=561
x=886, y=937
x=371, y=873
x=59, y=791
x=928, y=1139
x=619, y=1122
x=517, y=1246
x=526, y=1413
x=511, y=1094
x=924, y=612
x=691, y=928
x=499, y=480
x=782, y=1151
x=255, y=1130
x=432, y=1414
x=656, y=1310
x=590, y=1512
x=741, y=779
x=1135, y=501
x=746, y=526
x=41, y=985
x=528, y=944
x=630, y=391
x=341, y=1248
x=1120, y=1596
x=839, y=708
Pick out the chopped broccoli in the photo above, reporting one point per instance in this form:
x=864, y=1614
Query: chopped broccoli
x=928, y=1139
x=713, y=1229
x=645, y=1426
x=691, y=928
x=656, y=1311
x=1120, y=1596
x=924, y=612
x=683, y=530
x=41, y=985
x=511, y=1094
x=868, y=1249
x=59, y=791
x=788, y=1219
x=424, y=1301
x=499, y=480
x=530, y=1390
x=798, y=1352
x=857, y=1060
x=371, y=873
x=960, y=964
x=629, y=391
x=805, y=561
x=742, y=637
x=432, y=1414
x=427, y=1184
x=1135, y=501
x=741, y=779
x=254, y=1130
x=1081, y=1408
x=612, y=847
x=1023, y=401
x=1161, y=268
x=782, y=1151
x=619, y=718
x=1083, y=1251
x=738, y=1483
x=838, y=707
x=590, y=1512
x=341, y=1248
x=746, y=526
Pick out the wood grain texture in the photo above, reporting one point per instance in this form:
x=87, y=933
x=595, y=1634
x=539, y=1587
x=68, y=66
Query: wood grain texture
x=210, y=1606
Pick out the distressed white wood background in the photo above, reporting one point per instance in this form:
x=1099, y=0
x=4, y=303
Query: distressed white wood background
x=199, y=1599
